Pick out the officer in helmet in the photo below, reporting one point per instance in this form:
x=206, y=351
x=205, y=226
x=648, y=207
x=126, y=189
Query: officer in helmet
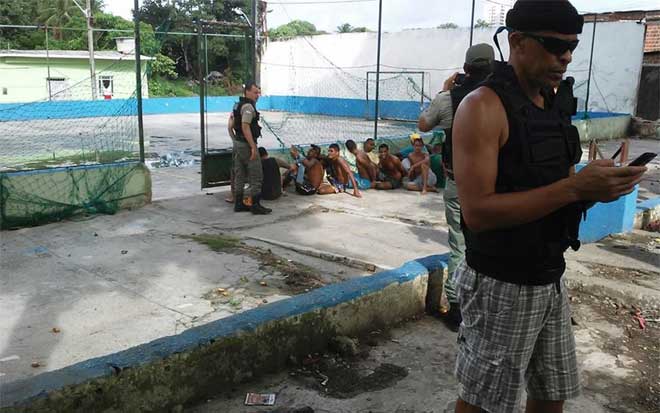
x=514, y=151
x=247, y=164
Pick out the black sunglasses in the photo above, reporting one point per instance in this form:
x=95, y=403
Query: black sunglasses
x=554, y=45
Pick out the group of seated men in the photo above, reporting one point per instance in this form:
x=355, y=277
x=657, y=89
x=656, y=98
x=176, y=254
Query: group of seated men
x=316, y=173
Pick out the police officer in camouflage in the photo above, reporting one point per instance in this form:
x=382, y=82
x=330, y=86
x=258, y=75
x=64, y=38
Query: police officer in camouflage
x=247, y=164
x=514, y=152
x=478, y=65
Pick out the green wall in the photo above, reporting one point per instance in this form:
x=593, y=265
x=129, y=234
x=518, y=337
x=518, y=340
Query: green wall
x=25, y=78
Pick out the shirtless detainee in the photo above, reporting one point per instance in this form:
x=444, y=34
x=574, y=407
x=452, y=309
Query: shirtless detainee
x=339, y=174
x=367, y=170
x=391, y=170
x=419, y=175
x=313, y=168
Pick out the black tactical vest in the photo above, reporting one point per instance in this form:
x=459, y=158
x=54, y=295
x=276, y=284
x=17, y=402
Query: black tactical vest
x=542, y=147
x=457, y=95
x=238, y=124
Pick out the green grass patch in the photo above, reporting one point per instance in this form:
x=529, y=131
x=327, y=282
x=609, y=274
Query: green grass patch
x=217, y=242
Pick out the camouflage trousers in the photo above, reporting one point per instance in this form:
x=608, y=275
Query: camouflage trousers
x=246, y=170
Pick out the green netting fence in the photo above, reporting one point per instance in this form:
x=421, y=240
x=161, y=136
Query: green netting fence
x=70, y=143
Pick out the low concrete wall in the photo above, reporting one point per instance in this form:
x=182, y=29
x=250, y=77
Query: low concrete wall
x=205, y=360
x=648, y=212
x=612, y=218
x=35, y=197
x=612, y=126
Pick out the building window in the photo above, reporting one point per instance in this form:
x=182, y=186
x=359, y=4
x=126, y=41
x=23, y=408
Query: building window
x=58, y=88
x=106, y=86
x=4, y=91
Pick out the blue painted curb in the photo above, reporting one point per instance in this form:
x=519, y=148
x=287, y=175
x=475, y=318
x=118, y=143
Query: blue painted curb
x=22, y=392
x=649, y=204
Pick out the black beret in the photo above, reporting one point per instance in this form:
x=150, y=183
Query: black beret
x=545, y=15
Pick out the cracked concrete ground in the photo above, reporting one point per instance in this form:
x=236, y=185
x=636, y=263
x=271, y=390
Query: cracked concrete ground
x=619, y=362
x=74, y=290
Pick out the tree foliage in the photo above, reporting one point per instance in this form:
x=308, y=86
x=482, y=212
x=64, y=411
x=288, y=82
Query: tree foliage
x=347, y=28
x=293, y=29
x=67, y=26
x=164, y=66
x=180, y=16
x=17, y=12
x=482, y=24
x=448, y=26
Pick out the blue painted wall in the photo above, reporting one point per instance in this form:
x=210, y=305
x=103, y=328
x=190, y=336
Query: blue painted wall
x=71, y=109
x=158, y=106
x=357, y=108
x=611, y=218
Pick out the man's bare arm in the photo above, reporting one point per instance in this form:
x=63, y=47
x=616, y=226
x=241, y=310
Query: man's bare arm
x=426, y=160
x=349, y=173
x=309, y=162
x=480, y=128
x=399, y=166
x=282, y=163
x=363, y=160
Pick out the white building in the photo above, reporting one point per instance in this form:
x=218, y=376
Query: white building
x=496, y=11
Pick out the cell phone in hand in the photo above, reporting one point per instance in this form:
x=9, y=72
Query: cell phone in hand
x=460, y=79
x=643, y=159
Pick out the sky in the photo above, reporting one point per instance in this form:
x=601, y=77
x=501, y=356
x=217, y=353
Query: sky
x=397, y=14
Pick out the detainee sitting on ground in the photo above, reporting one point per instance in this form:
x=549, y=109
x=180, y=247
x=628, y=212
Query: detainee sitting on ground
x=369, y=146
x=307, y=171
x=367, y=171
x=272, y=183
x=391, y=172
x=338, y=174
x=419, y=176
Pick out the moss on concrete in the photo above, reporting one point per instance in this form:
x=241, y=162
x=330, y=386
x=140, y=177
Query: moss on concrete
x=299, y=277
x=216, y=242
x=216, y=365
x=182, y=379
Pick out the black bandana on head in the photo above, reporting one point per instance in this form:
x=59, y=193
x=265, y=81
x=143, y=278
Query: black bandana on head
x=545, y=15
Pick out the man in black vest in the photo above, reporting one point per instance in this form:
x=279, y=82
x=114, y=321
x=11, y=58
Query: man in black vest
x=478, y=65
x=247, y=165
x=514, y=154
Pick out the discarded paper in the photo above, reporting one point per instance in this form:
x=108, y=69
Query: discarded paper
x=258, y=399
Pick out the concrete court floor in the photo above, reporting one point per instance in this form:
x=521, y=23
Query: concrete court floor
x=78, y=289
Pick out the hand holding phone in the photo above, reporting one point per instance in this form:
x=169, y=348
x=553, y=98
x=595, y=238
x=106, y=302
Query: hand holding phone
x=602, y=181
x=643, y=159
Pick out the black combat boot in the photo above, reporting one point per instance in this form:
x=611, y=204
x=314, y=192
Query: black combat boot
x=239, y=206
x=257, y=208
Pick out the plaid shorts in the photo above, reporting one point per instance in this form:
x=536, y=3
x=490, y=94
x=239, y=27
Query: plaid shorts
x=513, y=334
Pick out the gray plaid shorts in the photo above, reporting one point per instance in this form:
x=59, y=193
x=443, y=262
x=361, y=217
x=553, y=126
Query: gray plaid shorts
x=511, y=335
